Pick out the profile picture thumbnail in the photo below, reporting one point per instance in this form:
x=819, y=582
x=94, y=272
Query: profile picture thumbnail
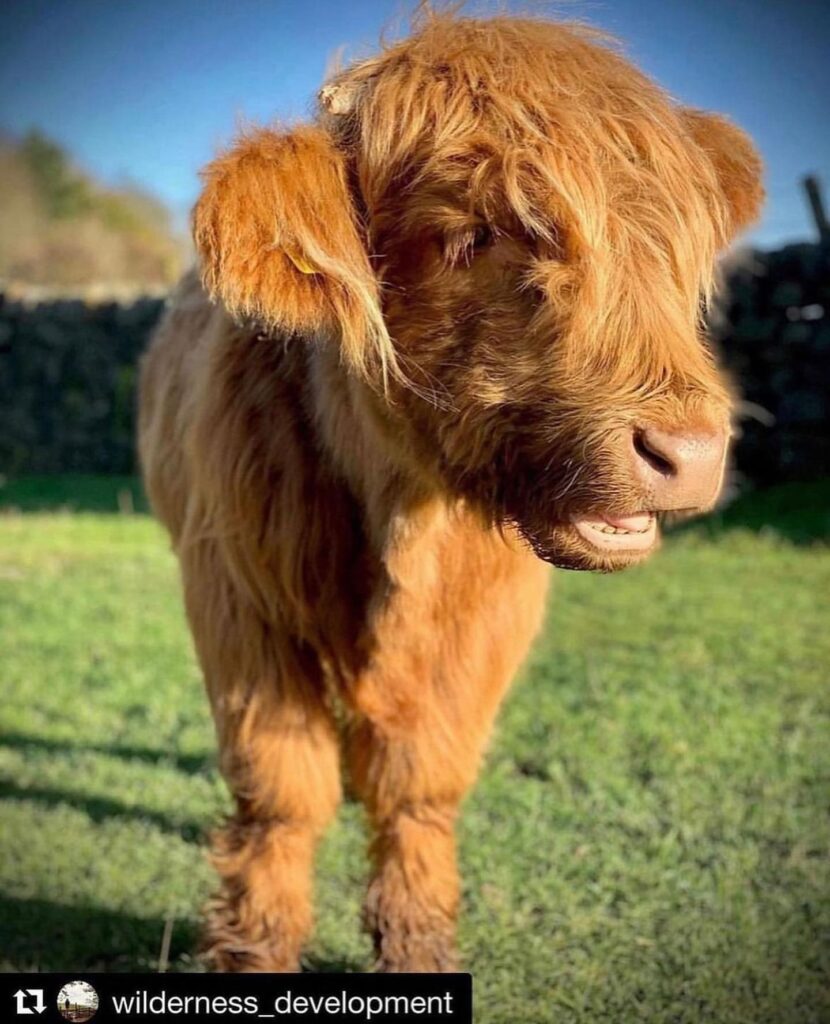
x=77, y=1001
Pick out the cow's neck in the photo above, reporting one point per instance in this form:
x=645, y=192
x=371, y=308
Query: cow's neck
x=366, y=447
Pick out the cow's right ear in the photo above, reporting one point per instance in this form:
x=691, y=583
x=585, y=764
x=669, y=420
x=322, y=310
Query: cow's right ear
x=278, y=241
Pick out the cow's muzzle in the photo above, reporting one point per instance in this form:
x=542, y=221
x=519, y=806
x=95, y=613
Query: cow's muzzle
x=678, y=471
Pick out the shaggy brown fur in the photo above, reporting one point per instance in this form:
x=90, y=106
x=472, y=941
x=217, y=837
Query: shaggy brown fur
x=453, y=316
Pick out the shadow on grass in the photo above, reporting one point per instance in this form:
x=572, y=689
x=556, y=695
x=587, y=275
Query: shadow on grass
x=800, y=513
x=101, y=809
x=73, y=492
x=39, y=935
x=190, y=764
x=43, y=936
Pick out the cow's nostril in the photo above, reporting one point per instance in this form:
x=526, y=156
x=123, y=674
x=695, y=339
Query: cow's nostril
x=678, y=470
x=651, y=455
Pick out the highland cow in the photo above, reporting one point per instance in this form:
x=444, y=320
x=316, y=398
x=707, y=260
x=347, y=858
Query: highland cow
x=445, y=336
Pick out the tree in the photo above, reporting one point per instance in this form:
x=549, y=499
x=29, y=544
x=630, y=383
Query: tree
x=63, y=192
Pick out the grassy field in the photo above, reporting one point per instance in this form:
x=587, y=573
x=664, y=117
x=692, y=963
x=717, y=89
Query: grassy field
x=649, y=839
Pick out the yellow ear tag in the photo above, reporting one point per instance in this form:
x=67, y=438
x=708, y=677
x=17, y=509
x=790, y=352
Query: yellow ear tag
x=300, y=263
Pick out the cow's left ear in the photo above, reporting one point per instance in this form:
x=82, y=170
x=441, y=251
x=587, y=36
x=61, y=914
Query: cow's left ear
x=278, y=240
x=737, y=165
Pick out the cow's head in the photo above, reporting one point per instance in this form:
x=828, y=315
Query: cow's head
x=511, y=233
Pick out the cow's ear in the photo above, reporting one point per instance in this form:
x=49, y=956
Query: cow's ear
x=737, y=165
x=278, y=241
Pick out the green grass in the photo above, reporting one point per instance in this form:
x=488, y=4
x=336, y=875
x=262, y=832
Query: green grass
x=648, y=841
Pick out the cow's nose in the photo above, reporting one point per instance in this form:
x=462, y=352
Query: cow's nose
x=679, y=469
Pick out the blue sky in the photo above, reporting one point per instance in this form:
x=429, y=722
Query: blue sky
x=148, y=89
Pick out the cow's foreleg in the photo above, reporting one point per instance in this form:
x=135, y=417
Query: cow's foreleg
x=423, y=711
x=280, y=756
x=411, y=788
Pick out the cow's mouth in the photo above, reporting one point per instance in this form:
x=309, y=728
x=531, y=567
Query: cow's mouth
x=599, y=542
x=633, y=534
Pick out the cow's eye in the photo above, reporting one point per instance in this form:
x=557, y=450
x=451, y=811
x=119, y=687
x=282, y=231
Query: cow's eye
x=461, y=246
x=482, y=237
